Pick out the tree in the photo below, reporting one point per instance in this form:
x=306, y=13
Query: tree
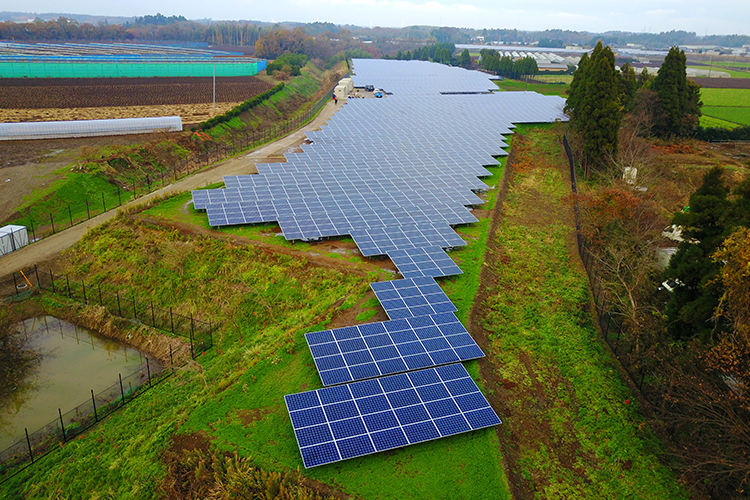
x=594, y=105
x=690, y=310
x=679, y=104
x=465, y=59
x=628, y=84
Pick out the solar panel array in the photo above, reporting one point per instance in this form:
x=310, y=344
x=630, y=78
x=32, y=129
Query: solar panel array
x=395, y=174
x=375, y=349
x=361, y=418
x=412, y=297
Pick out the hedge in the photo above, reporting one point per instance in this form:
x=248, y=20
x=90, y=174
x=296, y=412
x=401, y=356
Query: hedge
x=245, y=106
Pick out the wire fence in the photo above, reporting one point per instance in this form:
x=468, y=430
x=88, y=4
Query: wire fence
x=41, y=224
x=66, y=426
x=622, y=342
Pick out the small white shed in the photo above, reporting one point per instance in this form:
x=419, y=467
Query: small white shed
x=12, y=238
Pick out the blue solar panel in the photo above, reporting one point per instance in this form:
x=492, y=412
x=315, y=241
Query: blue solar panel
x=386, y=413
x=411, y=297
x=372, y=350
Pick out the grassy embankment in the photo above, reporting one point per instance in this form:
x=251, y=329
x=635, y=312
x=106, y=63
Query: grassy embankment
x=579, y=430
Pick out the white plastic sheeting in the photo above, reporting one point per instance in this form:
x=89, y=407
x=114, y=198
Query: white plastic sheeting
x=88, y=128
x=12, y=238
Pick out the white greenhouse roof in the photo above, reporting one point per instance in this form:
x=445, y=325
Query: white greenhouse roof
x=88, y=128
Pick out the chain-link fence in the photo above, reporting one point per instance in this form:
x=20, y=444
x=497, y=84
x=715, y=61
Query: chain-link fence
x=66, y=426
x=615, y=334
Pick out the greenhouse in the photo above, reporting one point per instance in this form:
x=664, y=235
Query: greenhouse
x=88, y=128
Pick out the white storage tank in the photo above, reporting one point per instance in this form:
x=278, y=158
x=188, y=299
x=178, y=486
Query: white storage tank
x=12, y=238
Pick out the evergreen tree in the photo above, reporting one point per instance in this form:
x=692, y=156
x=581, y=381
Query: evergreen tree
x=597, y=113
x=691, y=307
x=465, y=60
x=575, y=92
x=678, y=107
x=628, y=83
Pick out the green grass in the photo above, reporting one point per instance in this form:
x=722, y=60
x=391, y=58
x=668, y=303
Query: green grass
x=726, y=108
x=542, y=88
x=732, y=73
x=544, y=343
x=710, y=121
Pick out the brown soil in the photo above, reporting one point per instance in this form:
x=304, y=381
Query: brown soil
x=722, y=83
x=190, y=113
x=40, y=93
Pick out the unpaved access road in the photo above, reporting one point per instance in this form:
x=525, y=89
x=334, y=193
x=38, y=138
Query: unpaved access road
x=50, y=247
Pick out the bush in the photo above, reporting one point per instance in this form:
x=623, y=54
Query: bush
x=723, y=134
x=294, y=61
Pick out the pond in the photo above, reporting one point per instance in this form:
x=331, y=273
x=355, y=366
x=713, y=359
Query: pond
x=72, y=362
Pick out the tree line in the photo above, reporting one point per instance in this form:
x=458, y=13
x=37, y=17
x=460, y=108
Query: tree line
x=687, y=326
x=147, y=28
x=507, y=67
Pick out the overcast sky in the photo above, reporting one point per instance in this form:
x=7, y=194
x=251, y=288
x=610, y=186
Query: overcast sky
x=712, y=17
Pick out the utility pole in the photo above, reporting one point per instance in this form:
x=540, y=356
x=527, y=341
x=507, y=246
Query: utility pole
x=214, y=89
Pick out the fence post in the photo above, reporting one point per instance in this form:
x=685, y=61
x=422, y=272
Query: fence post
x=100, y=294
x=210, y=333
x=70, y=216
x=135, y=311
x=67, y=280
x=135, y=194
x=171, y=359
x=119, y=311
x=104, y=203
x=33, y=233
x=52, y=280
x=88, y=212
x=153, y=316
x=15, y=283
x=52, y=221
x=192, y=351
x=62, y=425
x=93, y=400
x=148, y=370
x=28, y=442
x=122, y=391
x=171, y=319
x=36, y=272
x=119, y=196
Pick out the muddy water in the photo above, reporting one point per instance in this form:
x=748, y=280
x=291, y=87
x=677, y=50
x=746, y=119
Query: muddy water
x=72, y=362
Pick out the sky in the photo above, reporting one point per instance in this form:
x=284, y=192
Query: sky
x=700, y=16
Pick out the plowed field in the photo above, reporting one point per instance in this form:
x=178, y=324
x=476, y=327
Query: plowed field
x=40, y=93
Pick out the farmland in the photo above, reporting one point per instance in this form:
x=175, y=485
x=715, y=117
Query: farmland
x=40, y=99
x=726, y=105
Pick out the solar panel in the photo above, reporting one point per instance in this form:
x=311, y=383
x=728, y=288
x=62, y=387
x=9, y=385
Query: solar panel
x=375, y=349
x=361, y=418
x=424, y=261
x=411, y=297
x=380, y=241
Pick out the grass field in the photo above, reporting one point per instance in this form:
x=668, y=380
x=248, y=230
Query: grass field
x=543, y=88
x=580, y=432
x=726, y=105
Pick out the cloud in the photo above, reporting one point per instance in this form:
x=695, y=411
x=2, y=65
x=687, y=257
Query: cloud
x=661, y=12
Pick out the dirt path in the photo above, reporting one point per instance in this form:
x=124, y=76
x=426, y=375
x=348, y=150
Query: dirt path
x=48, y=248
